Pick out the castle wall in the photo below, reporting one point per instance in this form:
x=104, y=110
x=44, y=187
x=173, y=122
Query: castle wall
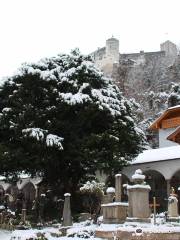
x=104, y=58
x=169, y=48
x=134, y=71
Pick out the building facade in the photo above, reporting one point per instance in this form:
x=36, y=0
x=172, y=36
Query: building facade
x=110, y=55
x=161, y=165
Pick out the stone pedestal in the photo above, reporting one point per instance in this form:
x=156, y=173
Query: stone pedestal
x=138, y=193
x=114, y=212
x=67, y=219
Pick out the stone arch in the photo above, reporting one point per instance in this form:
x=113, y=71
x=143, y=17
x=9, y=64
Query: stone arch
x=29, y=191
x=12, y=190
x=175, y=179
x=158, y=188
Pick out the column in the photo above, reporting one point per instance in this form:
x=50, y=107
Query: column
x=67, y=219
x=118, y=185
x=36, y=191
x=168, y=187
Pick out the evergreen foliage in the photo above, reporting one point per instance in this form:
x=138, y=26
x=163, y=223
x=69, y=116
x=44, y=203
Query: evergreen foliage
x=62, y=119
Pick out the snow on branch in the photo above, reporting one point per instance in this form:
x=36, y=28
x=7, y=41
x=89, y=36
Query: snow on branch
x=92, y=186
x=79, y=73
x=54, y=140
x=39, y=134
x=36, y=133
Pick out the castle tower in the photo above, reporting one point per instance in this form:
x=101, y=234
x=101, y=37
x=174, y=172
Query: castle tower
x=112, y=49
x=169, y=47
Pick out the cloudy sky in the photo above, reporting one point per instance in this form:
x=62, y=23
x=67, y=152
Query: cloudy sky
x=32, y=29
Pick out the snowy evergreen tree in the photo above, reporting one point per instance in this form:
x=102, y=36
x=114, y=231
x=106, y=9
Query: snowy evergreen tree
x=174, y=96
x=62, y=120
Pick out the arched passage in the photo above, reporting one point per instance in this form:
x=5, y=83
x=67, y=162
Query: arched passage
x=175, y=183
x=158, y=189
x=29, y=191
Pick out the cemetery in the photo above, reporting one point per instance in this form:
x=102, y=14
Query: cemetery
x=89, y=145
x=134, y=219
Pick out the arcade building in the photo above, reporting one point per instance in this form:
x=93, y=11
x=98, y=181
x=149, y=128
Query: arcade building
x=162, y=165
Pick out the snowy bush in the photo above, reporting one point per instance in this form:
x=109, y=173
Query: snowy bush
x=93, y=194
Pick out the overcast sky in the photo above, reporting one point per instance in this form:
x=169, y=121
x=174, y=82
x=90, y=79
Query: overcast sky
x=32, y=29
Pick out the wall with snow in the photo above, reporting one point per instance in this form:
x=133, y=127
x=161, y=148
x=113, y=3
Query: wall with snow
x=167, y=168
x=163, y=134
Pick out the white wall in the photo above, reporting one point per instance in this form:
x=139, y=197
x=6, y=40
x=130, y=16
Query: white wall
x=163, y=134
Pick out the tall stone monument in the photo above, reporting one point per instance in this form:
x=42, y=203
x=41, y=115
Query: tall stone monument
x=138, y=199
x=67, y=218
x=118, y=187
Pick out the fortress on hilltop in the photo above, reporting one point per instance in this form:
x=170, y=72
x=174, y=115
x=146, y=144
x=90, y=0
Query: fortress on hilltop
x=140, y=75
x=105, y=58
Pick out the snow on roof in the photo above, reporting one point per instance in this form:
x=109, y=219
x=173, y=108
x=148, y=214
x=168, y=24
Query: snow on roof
x=174, y=107
x=160, y=154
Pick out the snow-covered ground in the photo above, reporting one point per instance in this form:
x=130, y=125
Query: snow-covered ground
x=78, y=231
x=5, y=235
x=86, y=230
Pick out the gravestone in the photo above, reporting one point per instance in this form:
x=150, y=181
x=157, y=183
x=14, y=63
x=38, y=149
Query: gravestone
x=67, y=218
x=118, y=186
